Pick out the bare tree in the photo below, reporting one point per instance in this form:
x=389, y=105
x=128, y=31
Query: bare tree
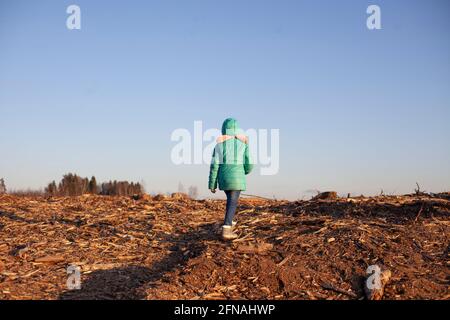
x=2, y=186
x=193, y=192
x=418, y=191
x=73, y=185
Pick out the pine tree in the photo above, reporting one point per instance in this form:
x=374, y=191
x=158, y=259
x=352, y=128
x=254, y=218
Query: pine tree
x=93, y=188
x=52, y=189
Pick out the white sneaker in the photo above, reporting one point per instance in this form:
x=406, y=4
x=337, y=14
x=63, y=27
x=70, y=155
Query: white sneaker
x=227, y=233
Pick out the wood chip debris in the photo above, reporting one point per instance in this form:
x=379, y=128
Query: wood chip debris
x=170, y=248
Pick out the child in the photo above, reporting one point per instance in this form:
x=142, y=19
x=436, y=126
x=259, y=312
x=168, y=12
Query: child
x=230, y=163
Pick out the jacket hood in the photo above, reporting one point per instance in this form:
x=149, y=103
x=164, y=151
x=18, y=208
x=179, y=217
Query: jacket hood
x=230, y=127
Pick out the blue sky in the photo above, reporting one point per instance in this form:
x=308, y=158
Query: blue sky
x=358, y=110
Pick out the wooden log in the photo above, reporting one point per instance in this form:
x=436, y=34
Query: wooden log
x=50, y=259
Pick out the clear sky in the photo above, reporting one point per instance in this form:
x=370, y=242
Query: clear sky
x=358, y=110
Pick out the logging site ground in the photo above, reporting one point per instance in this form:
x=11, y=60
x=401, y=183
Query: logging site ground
x=169, y=247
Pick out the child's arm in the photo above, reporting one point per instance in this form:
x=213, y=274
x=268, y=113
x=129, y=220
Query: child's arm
x=248, y=165
x=213, y=170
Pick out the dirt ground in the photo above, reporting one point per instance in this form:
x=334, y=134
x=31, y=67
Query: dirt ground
x=170, y=249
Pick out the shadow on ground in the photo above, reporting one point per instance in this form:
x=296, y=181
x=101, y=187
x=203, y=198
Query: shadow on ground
x=127, y=282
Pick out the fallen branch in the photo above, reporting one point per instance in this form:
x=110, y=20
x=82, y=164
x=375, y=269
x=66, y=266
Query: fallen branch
x=420, y=211
x=254, y=196
x=329, y=286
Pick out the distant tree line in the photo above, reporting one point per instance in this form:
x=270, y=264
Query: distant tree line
x=73, y=185
x=25, y=192
x=121, y=188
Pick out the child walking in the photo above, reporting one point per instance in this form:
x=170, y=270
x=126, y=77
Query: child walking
x=230, y=163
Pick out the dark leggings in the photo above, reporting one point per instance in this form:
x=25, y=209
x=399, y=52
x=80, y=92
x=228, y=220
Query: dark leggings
x=232, y=202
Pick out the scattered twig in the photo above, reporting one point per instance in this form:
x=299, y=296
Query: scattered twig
x=285, y=260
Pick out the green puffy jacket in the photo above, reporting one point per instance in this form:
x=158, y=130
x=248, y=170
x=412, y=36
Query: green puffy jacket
x=231, y=159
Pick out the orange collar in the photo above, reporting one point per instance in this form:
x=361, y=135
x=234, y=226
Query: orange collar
x=226, y=137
